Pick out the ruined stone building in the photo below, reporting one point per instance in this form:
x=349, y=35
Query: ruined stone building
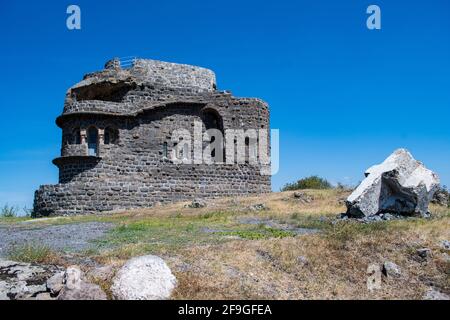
x=116, y=140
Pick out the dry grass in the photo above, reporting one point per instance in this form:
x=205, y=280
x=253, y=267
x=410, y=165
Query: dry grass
x=313, y=267
x=32, y=253
x=329, y=265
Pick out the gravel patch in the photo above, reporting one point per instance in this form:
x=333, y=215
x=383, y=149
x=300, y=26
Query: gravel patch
x=67, y=238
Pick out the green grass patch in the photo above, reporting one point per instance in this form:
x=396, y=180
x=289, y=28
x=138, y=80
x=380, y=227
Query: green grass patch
x=348, y=230
x=158, y=233
x=31, y=254
x=260, y=233
x=12, y=220
x=168, y=234
x=308, y=221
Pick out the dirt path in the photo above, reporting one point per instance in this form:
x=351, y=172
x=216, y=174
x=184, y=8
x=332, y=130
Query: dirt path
x=68, y=238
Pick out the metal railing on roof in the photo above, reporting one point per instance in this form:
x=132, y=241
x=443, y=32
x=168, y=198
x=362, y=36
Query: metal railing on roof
x=127, y=62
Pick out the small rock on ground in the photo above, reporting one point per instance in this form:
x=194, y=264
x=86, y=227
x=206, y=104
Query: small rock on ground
x=76, y=287
x=391, y=270
x=102, y=273
x=424, y=253
x=257, y=207
x=445, y=244
x=303, y=197
x=197, y=203
x=433, y=294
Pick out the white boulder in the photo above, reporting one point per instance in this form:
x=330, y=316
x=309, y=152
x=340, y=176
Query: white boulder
x=143, y=278
x=400, y=185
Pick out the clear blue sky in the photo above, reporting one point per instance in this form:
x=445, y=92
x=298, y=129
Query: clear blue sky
x=342, y=96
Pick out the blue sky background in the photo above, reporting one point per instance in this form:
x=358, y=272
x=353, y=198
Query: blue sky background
x=343, y=97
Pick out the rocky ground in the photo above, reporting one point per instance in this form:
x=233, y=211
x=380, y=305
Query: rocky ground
x=278, y=246
x=75, y=237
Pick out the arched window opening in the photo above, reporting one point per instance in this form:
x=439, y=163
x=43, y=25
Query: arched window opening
x=183, y=149
x=111, y=136
x=247, y=150
x=92, y=141
x=212, y=120
x=180, y=150
x=76, y=136
x=213, y=151
x=165, y=150
x=66, y=139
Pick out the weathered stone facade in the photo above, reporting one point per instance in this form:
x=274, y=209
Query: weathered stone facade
x=116, y=129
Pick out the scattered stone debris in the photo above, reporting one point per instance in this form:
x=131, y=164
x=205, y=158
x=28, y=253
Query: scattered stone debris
x=22, y=281
x=303, y=197
x=56, y=283
x=445, y=244
x=391, y=270
x=258, y=207
x=265, y=255
x=234, y=202
x=25, y=281
x=400, y=185
x=210, y=230
x=441, y=197
x=302, y=260
x=434, y=294
x=44, y=296
x=342, y=200
x=424, y=253
x=76, y=287
x=144, y=278
x=197, y=203
x=340, y=217
x=102, y=273
x=445, y=257
x=375, y=218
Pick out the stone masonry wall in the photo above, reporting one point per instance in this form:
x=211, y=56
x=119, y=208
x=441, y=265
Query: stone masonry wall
x=132, y=172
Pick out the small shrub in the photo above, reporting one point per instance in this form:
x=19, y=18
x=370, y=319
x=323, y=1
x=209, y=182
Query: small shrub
x=28, y=212
x=295, y=215
x=343, y=187
x=442, y=196
x=312, y=182
x=30, y=253
x=9, y=212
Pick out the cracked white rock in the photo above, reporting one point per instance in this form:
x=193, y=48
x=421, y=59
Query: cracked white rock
x=23, y=280
x=399, y=185
x=143, y=278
